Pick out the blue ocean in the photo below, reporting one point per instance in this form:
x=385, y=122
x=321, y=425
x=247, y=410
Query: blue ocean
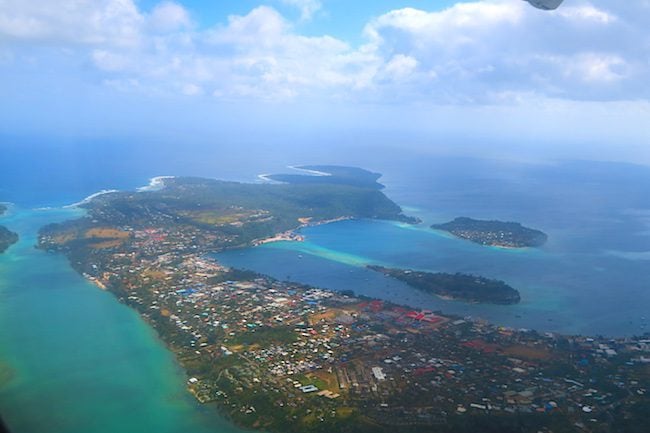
x=590, y=278
x=84, y=363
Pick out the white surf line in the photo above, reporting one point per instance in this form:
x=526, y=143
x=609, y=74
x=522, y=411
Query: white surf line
x=155, y=184
x=90, y=197
x=312, y=172
x=265, y=178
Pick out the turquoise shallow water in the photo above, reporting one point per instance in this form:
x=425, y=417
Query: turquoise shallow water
x=567, y=292
x=74, y=360
x=592, y=276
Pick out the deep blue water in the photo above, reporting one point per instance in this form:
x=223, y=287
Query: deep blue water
x=590, y=277
x=33, y=175
x=66, y=347
x=565, y=292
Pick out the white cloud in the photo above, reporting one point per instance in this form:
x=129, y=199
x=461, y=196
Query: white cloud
x=500, y=47
x=307, y=8
x=460, y=23
x=598, y=68
x=258, y=55
x=109, y=61
x=192, y=90
x=482, y=52
x=261, y=27
x=400, y=67
x=586, y=13
x=169, y=16
x=115, y=22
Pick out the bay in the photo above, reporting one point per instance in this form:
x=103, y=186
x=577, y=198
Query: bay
x=592, y=277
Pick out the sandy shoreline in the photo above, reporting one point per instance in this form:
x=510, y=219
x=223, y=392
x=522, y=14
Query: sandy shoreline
x=293, y=235
x=289, y=236
x=155, y=184
x=312, y=172
x=265, y=178
x=91, y=197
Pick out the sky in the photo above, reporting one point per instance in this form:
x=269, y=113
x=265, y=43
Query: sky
x=488, y=77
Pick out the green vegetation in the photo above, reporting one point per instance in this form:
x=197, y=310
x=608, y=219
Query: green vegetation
x=227, y=214
x=233, y=275
x=7, y=238
x=494, y=233
x=250, y=343
x=457, y=286
x=266, y=336
x=337, y=175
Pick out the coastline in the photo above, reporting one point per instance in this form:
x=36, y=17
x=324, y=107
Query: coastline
x=95, y=281
x=293, y=235
x=73, y=313
x=311, y=172
x=224, y=409
x=155, y=184
x=265, y=177
x=449, y=235
x=288, y=236
x=8, y=206
x=181, y=352
x=494, y=233
x=91, y=197
x=506, y=248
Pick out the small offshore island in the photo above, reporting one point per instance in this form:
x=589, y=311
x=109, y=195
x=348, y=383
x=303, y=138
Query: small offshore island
x=288, y=358
x=494, y=233
x=7, y=237
x=463, y=287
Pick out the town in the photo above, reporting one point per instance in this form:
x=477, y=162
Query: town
x=284, y=357
x=281, y=356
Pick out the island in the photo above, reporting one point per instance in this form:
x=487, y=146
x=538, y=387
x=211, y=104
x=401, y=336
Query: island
x=494, y=233
x=330, y=174
x=211, y=215
x=463, y=287
x=7, y=237
x=283, y=357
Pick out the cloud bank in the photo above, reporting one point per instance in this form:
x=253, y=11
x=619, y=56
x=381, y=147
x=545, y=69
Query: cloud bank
x=482, y=52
